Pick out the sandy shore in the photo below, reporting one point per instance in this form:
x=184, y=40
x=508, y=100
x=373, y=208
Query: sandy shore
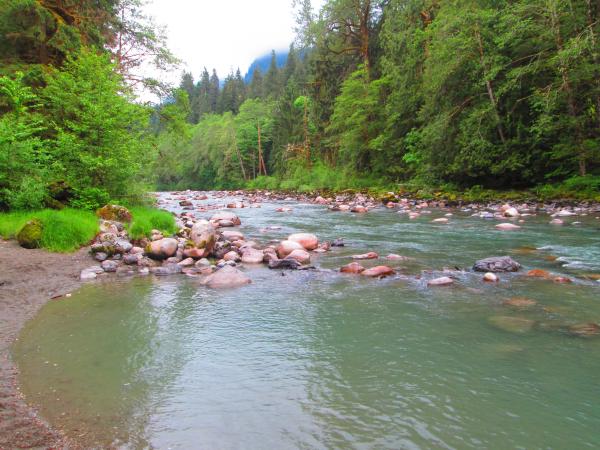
x=28, y=279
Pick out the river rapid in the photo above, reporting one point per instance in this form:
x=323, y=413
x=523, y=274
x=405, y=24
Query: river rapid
x=319, y=359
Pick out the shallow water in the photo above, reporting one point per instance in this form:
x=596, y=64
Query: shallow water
x=317, y=359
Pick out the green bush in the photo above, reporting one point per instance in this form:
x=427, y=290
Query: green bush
x=146, y=219
x=90, y=198
x=62, y=231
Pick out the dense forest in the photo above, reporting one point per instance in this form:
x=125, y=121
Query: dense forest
x=453, y=95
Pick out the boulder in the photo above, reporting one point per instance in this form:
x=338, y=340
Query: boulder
x=232, y=235
x=114, y=212
x=226, y=216
x=123, y=246
x=132, y=259
x=302, y=256
x=378, y=272
x=440, y=220
x=30, y=235
x=507, y=227
x=167, y=269
x=511, y=212
x=443, y=281
x=231, y=256
x=497, y=264
x=109, y=266
x=188, y=262
x=87, y=275
x=370, y=255
x=226, y=277
x=353, y=267
x=287, y=247
x=491, y=277
x=339, y=242
x=307, y=240
x=394, y=257
x=100, y=256
x=162, y=249
x=291, y=264
x=204, y=236
x=252, y=256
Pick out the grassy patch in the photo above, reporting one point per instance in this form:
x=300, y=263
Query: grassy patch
x=146, y=219
x=63, y=231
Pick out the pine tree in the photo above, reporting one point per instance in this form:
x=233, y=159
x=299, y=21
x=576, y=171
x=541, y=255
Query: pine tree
x=272, y=84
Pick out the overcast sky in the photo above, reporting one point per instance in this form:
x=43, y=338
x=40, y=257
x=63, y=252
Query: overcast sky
x=224, y=34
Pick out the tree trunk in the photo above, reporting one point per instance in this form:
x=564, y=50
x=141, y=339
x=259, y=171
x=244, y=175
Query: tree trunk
x=488, y=84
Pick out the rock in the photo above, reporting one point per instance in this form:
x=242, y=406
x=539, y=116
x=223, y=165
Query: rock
x=491, y=277
x=441, y=220
x=443, y=281
x=497, y=264
x=565, y=213
x=186, y=203
x=353, y=267
x=109, y=266
x=307, y=240
x=287, y=247
x=270, y=254
x=232, y=256
x=100, y=256
x=226, y=277
x=511, y=212
x=87, y=275
x=394, y=257
x=232, y=235
x=339, y=242
x=137, y=250
x=204, y=236
x=519, y=302
x=291, y=264
x=167, y=269
x=132, y=259
x=114, y=212
x=370, y=255
x=103, y=247
x=507, y=227
x=202, y=263
x=378, y=272
x=538, y=273
x=556, y=222
x=252, y=256
x=359, y=209
x=162, y=249
x=518, y=325
x=226, y=216
x=123, y=246
x=30, y=234
x=562, y=280
x=188, y=262
x=302, y=256
x=585, y=330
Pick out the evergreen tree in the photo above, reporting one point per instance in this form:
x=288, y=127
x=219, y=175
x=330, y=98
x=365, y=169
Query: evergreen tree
x=272, y=82
x=213, y=91
x=255, y=90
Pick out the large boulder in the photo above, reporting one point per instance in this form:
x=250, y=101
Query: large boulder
x=226, y=277
x=287, y=247
x=162, y=249
x=30, y=235
x=307, y=240
x=114, y=212
x=497, y=264
x=378, y=272
x=231, y=235
x=353, y=267
x=226, y=216
x=291, y=264
x=302, y=256
x=252, y=256
x=204, y=236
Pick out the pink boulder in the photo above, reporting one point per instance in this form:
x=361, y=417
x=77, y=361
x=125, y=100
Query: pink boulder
x=307, y=240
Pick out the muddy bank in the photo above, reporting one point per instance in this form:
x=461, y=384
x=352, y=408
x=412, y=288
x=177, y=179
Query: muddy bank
x=28, y=279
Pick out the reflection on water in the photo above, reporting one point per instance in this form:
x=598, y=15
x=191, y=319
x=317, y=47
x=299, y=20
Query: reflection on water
x=321, y=360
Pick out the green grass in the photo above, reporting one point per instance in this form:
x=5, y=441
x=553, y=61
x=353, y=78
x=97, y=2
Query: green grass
x=146, y=219
x=63, y=231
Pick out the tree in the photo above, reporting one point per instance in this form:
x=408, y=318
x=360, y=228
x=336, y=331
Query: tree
x=272, y=82
x=255, y=90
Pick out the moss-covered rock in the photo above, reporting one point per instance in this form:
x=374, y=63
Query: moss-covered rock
x=114, y=212
x=30, y=236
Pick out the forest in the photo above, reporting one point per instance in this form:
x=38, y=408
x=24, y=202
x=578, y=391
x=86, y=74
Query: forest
x=417, y=95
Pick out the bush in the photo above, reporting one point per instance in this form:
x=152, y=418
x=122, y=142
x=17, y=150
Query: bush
x=90, y=199
x=62, y=231
x=146, y=219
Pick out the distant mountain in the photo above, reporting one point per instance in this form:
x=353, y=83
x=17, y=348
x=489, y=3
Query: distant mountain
x=264, y=62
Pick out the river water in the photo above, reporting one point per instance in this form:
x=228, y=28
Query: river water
x=319, y=359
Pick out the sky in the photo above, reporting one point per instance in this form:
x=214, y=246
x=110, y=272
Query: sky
x=224, y=34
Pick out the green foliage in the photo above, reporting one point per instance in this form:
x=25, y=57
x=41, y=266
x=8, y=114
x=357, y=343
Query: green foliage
x=62, y=231
x=90, y=198
x=146, y=219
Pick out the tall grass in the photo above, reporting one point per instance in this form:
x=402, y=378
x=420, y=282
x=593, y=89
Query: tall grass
x=146, y=219
x=63, y=231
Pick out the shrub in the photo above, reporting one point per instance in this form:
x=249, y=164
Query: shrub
x=90, y=198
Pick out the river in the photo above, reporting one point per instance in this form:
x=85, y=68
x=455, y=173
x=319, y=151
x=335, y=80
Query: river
x=319, y=359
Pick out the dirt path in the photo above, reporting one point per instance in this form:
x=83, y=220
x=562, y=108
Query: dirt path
x=28, y=279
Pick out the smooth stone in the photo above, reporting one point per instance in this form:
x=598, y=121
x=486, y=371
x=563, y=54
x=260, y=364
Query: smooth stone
x=353, y=267
x=226, y=216
x=378, y=272
x=443, y=281
x=226, y=277
x=232, y=256
x=87, y=275
x=204, y=236
x=394, y=257
x=302, y=256
x=287, y=247
x=370, y=255
x=123, y=246
x=307, y=240
x=109, y=266
x=497, y=264
x=231, y=235
x=491, y=277
x=132, y=259
x=290, y=264
x=100, y=256
x=441, y=220
x=188, y=262
x=166, y=270
x=507, y=227
x=162, y=248
x=252, y=256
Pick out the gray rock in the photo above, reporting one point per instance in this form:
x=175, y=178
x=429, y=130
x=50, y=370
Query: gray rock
x=167, y=269
x=290, y=264
x=227, y=277
x=131, y=259
x=109, y=266
x=497, y=264
x=123, y=246
x=100, y=256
